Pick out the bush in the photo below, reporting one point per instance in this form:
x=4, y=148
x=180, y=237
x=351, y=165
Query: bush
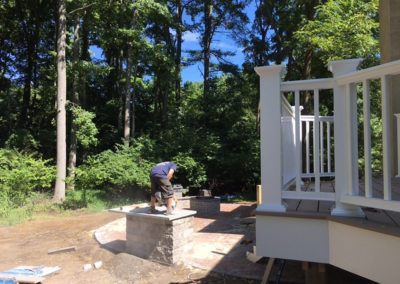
x=20, y=175
x=190, y=172
x=124, y=167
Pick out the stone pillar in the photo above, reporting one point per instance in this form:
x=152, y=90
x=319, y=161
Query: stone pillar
x=160, y=238
x=270, y=132
x=389, y=19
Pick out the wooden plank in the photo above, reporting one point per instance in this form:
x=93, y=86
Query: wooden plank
x=268, y=270
x=396, y=189
x=328, y=186
x=379, y=216
x=66, y=249
x=292, y=204
x=395, y=216
x=308, y=206
x=325, y=206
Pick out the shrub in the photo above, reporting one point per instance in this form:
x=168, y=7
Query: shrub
x=121, y=168
x=20, y=175
x=190, y=172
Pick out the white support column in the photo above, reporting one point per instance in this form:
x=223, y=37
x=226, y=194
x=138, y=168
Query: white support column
x=352, y=138
x=343, y=169
x=270, y=132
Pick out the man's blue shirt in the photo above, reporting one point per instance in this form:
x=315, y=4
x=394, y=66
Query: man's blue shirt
x=161, y=170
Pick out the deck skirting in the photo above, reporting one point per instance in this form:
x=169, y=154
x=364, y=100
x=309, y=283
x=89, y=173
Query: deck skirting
x=353, y=245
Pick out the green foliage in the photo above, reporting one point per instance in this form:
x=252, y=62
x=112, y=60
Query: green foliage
x=343, y=29
x=122, y=168
x=376, y=129
x=23, y=140
x=190, y=172
x=86, y=129
x=20, y=175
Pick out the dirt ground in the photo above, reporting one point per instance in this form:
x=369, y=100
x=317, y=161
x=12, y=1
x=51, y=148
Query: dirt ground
x=29, y=244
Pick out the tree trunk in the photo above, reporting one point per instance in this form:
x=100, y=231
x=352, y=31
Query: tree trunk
x=128, y=96
x=165, y=105
x=59, y=192
x=133, y=122
x=127, y=127
x=179, y=12
x=118, y=62
x=208, y=9
x=73, y=146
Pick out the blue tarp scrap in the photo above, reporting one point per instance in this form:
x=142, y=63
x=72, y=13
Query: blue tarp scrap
x=38, y=271
x=7, y=281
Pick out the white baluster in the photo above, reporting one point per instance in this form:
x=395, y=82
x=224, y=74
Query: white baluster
x=329, y=146
x=308, y=146
x=321, y=137
x=316, y=141
x=298, y=144
x=367, y=139
x=387, y=186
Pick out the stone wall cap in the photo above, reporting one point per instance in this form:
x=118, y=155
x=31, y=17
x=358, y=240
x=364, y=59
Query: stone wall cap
x=144, y=213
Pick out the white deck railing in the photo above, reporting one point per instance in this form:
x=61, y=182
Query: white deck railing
x=277, y=172
x=318, y=152
x=349, y=82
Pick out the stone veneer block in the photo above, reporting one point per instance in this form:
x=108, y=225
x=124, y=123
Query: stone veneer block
x=205, y=206
x=184, y=202
x=157, y=237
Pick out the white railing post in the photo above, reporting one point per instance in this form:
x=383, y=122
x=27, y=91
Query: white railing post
x=346, y=169
x=398, y=144
x=270, y=132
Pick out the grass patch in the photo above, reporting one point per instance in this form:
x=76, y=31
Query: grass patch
x=40, y=205
x=239, y=197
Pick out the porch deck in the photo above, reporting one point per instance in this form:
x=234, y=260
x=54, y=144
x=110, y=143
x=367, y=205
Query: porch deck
x=379, y=220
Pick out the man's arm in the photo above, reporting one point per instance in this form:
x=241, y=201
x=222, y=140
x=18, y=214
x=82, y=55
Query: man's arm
x=170, y=173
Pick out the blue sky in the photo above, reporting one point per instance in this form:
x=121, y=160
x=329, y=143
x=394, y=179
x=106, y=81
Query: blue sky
x=191, y=40
x=221, y=41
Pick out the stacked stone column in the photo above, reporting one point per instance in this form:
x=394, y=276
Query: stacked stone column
x=165, y=239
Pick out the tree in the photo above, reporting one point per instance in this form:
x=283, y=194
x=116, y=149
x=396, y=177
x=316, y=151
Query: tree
x=216, y=15
x=59, y=192
x=343, y=29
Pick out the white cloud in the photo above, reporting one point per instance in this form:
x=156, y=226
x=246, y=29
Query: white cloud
x=191, y=37
x=224, y=46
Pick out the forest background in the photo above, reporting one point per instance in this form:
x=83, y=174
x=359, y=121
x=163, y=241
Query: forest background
x=130, y=109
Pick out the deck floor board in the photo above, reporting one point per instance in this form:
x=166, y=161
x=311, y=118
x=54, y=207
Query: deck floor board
x=376, y=216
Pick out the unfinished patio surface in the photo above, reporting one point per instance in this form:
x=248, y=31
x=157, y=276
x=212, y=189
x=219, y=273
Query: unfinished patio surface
x=220, y=243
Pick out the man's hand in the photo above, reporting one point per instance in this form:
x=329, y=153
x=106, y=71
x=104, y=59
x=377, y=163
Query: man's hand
x=170, y=174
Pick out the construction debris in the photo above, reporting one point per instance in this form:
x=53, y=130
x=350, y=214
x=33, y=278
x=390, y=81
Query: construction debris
x=66, y=249
x=98, y=264
x=5, y=279
x=87, y=267
x=252, y=256
x=26, y=274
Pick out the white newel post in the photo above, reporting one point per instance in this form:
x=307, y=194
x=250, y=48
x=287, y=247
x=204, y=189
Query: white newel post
x=345, y=129
x=270, y=132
